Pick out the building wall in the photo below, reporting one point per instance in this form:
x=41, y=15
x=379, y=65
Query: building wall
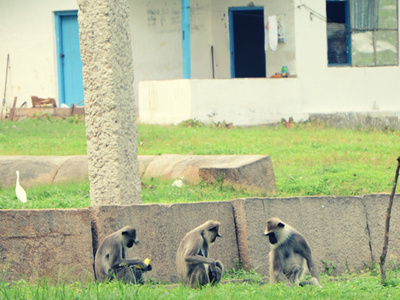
x=165, y=101
x=27, y=31
x=338, y=89
x=156, y=40
x=284, y=55
x=317, y=88
x=242, y=101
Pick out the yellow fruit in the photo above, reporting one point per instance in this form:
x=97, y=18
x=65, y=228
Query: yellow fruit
x=146, y=262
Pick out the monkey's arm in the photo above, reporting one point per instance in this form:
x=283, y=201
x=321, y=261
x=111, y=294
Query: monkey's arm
x=278, y=275
x=306, y=253
x=133, y=262
x=312, y=267
x=276, y=268
x=198, y=259
x=116, y=260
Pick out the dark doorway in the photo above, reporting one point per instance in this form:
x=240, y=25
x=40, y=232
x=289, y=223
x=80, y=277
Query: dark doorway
x=338, y=33
x=247, y=42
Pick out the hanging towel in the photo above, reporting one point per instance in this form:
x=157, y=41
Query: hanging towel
x=272, y=32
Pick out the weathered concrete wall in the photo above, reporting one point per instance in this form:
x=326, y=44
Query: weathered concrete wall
x=357, y=120
x=53, y=243
x=346, y=232
x=160, y=229
x=111, y=128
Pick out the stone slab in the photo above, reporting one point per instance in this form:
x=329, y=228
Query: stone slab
x=144, y=161
x=52, y=243
x=72, y=169
x=247, y=170
x=160, y=228
x=34, y=170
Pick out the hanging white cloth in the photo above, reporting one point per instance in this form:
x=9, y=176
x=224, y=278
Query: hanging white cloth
x=272, y=32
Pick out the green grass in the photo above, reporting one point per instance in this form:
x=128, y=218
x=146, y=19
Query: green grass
x=43, y=136
x=69, y=195
x=349, y=286
x=308, y=159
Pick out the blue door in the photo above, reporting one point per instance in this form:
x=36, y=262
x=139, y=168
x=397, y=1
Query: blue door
x=69, y=63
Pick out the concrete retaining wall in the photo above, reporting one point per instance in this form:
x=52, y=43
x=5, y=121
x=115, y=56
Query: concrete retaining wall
x=376, y=120
x=53, y=243
x=160, y=229
x=346, y=232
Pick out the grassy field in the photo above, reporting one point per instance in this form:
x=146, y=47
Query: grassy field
x=349, y=286
x=308, y=159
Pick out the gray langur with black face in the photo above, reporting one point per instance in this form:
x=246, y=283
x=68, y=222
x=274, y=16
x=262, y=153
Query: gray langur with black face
x=194, y=266
x=110, y=260
x=290, y=254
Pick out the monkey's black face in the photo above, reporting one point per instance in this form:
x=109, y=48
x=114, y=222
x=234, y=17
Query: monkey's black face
x=213, y=238
x=214, y=234
x=130, y=243
x=272, y=238
x=129, y=237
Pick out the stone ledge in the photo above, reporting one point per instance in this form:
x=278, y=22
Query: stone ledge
x=347, y=232
x=37, y=170
x=356, y=120
x=245, y=170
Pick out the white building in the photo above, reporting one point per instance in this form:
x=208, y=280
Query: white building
x=341, y=55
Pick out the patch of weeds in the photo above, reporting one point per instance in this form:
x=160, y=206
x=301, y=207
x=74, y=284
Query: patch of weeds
x=191, y=123
x=238, y=272
x=393, y=263
x=329, y=267
x=75, y=119
x=220, y=181
x=372, y=267
x=223, y=124
x=40, y=116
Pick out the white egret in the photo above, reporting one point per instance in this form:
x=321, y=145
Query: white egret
x=19, y=190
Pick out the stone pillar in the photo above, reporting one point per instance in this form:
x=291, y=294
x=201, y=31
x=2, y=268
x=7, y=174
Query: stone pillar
x=111, y=128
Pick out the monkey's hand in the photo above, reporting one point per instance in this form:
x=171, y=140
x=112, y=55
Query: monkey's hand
x=141, y=265
x=212, y=271
x=219, y=265
x=149, y=268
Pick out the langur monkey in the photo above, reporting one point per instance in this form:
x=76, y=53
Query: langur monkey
x=194, y=266
x=110, y=261
x=290, y=254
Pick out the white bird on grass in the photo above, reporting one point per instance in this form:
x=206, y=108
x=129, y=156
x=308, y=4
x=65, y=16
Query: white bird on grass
x=19, y=190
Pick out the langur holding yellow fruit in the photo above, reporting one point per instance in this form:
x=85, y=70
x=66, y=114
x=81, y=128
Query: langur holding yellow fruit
x=110, y=260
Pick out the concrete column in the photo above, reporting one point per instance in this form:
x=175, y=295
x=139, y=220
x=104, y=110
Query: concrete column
x=111, y=128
